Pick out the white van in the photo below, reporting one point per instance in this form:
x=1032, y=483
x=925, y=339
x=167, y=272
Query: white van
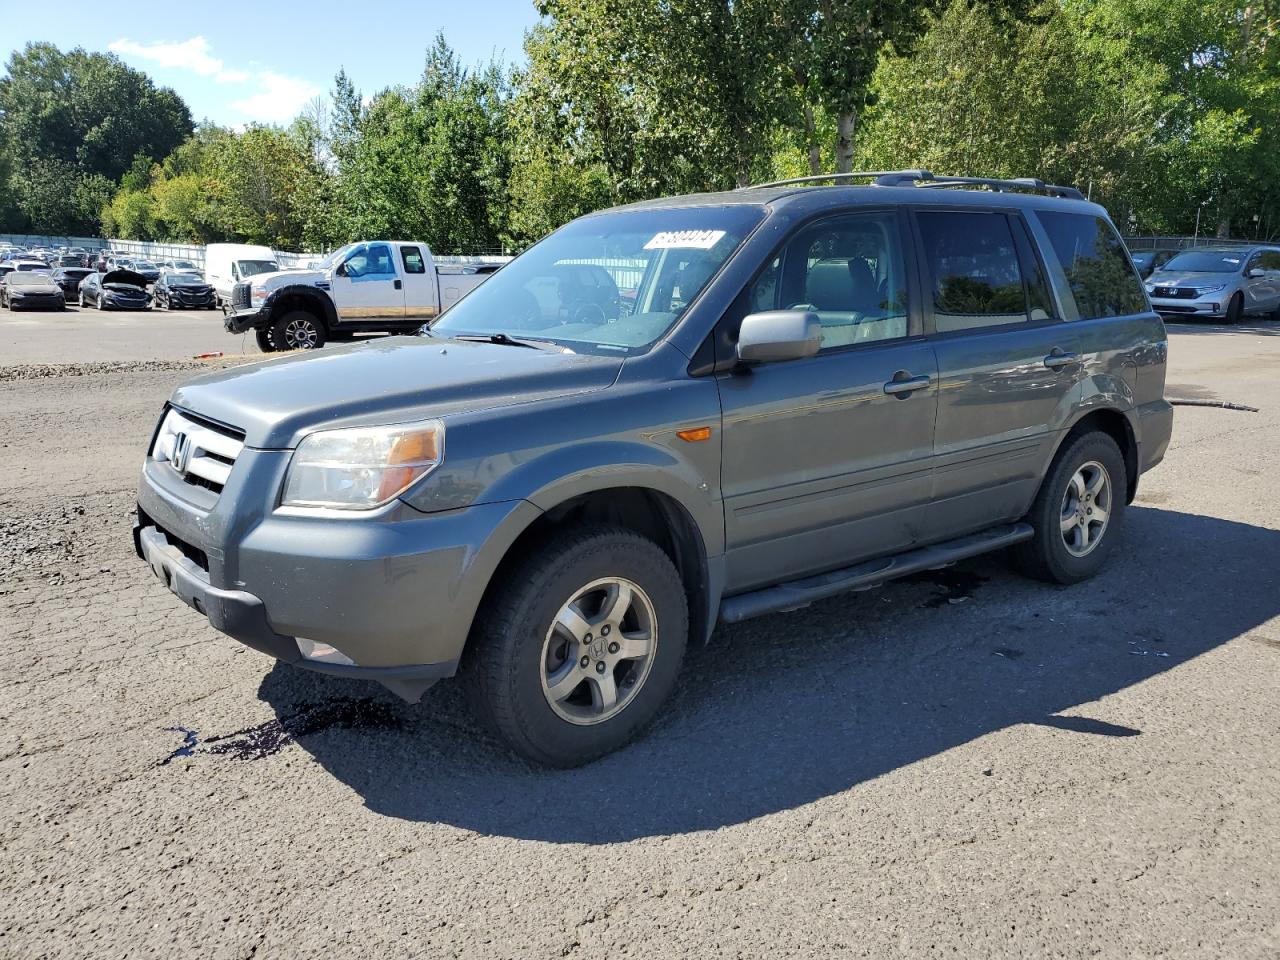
x=226, y=264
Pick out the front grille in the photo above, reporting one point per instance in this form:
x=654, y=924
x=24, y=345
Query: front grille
x=1168, y=308
x=1175, y=293
x=240, y=296
x=200, y=451
x=188, y=550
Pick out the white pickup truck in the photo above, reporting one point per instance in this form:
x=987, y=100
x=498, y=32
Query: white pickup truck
x=382, y=285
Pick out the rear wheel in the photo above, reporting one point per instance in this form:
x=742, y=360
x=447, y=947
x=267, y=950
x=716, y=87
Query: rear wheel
x=574, y=652
x=298, y=330
x=102, y=303
x=1078, y=512
x=1235, y=308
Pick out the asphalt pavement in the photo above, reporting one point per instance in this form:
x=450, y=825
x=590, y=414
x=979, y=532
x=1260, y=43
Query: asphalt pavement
x=963, y=764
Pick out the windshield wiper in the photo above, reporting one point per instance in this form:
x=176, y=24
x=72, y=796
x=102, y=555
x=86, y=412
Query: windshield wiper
x=504, y=340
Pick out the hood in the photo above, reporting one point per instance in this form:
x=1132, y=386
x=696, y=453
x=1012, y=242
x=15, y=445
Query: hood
x=1189, y=278
x=124, y=276
x=284, y=278
x=387, y=381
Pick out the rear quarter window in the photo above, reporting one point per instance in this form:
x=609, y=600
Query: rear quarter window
x=1102, y=281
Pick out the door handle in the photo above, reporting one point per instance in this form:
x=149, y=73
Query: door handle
x=904, y=386
x=398, y=284
x=1058, y=359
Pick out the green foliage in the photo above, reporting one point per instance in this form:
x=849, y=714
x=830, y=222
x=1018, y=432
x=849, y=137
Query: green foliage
x=1158, y=108
x=73, y=122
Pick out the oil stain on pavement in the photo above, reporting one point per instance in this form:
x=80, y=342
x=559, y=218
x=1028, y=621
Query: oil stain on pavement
x=254, y=743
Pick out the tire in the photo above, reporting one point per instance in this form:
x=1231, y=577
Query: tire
x=101, y=302
x=263, y=336
x=1235, y=308
x=80, y=294
x=522, y=659
x=298, y=330
x=1054, y=553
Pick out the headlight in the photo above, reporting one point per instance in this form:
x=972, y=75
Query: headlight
x=362, y=467
x=1151, y=288
x=1201, y=291
x=259, y=294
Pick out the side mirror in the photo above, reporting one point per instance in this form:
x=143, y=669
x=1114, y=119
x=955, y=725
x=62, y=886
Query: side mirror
x=779, y=335
x=1254, y=273
x=340, y=270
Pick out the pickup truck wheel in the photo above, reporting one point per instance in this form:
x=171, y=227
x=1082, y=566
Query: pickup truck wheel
x=1078, y=512
x=576, y=650
x=263, y=336
x=298, y=330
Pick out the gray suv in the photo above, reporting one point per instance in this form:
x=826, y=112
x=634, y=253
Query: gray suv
x=662, y=417
x=1222, y=284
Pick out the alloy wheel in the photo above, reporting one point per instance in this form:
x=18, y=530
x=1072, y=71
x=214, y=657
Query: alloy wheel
x=599, y=650
x=301, y=335
x=1086, y=508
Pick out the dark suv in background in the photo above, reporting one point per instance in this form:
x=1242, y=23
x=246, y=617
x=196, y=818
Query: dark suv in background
x=665, y=416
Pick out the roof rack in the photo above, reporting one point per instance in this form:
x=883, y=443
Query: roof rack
x=923, y=178
x=819, y=177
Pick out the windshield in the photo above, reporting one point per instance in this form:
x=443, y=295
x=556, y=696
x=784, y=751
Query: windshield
x=612, y=283
x=251, y=268
x=1206, y=261
x=144, y=265
x=183, y=276
x=43, y=267
x=335, y=258
x=184, y=265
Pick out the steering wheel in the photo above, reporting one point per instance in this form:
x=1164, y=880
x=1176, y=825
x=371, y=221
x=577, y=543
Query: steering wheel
x=584, y=311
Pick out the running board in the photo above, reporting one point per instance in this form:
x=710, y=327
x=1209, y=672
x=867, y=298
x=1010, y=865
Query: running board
x=873, y=573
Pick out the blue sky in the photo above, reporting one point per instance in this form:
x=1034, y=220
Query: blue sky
x=238, y=62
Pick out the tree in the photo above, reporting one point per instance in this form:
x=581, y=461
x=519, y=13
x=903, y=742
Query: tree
x=74, y=121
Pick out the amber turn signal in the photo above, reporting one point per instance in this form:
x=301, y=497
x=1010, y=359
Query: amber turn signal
x=695, y=435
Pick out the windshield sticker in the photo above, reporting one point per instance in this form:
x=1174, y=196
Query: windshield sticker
x=1231, y=259
x=685, y=240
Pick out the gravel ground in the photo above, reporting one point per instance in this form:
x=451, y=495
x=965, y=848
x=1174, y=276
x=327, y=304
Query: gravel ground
x=965, y=764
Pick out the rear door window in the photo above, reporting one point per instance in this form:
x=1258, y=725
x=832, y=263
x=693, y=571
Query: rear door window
x=411, y=257
x=1097, y=268
x=971, y=259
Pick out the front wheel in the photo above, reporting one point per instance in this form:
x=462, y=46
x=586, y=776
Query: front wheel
x=1078, y=512
x=298, y=330
x=575, y=652
x=1235, y=308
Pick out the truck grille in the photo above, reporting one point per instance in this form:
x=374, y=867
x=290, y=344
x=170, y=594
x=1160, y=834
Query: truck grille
x=201, y=452
x=240, y=296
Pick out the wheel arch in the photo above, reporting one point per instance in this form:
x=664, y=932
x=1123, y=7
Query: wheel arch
x=654, y=514
x=1115, y=424
x=300, y=297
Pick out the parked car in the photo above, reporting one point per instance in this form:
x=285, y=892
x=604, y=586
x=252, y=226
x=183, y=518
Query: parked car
x=114, y=290
x=68, y=279
x=226, y=264
x=1148, y=261
x=24, y=265
x=30, y=291
x=815, y=390
x=386, y=285
x=1227, y=284
x=177, y=289
x=147, y=269
x=186, y=265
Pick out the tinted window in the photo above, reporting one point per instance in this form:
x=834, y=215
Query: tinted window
x=1271, y=260
x=973, y=262
x=373, y=262
x=412, y=259
x=848, y=270
x=1097, y=268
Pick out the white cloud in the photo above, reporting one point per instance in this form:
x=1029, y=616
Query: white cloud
x=279, y=98
x=190, y=54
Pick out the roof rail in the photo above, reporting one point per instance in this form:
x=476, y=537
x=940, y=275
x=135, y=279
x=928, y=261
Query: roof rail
x=902, y=178
x=819, y=177
x=926, y=179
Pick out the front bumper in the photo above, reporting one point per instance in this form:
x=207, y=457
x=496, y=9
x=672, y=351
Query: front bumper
x=394, y=591
x=1211, y=305
x=37, y=303
x=238, y=321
